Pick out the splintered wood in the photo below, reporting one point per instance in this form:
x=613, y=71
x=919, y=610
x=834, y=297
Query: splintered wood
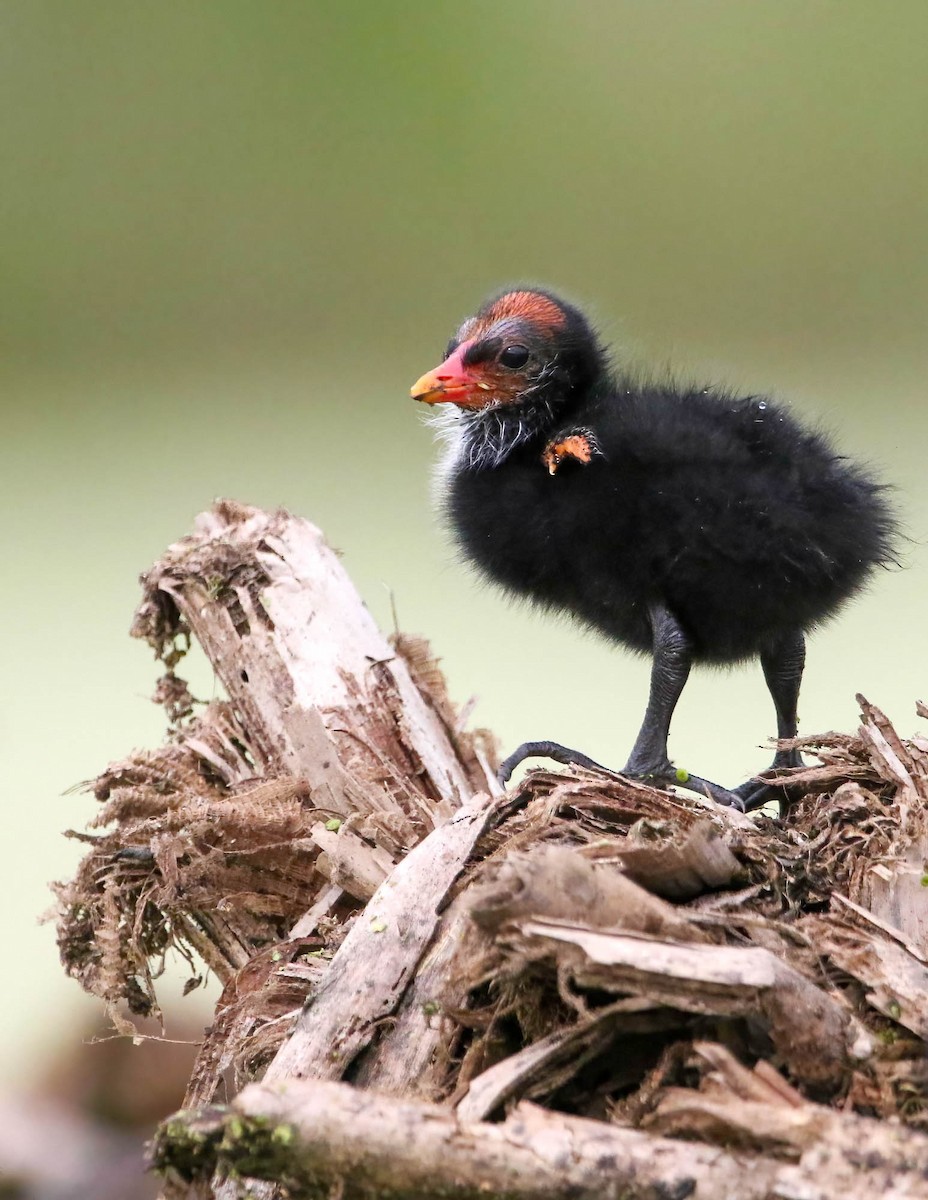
x=585, y=988
x=336, y=1140
x=329, y=760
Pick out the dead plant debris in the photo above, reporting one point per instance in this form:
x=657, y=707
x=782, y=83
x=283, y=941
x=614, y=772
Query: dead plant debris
x=610, y=951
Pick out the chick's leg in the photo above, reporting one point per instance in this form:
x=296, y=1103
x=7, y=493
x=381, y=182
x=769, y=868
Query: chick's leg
x=782, y=663
x=673, y=656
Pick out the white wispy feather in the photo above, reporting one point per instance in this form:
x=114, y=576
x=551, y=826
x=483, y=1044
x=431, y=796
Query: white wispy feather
x=480, y=439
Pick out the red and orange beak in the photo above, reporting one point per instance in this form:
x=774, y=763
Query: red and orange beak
x=451, y=383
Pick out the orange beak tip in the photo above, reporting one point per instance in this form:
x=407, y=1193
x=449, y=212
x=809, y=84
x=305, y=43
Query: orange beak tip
x=427, y=395
x=427, y=388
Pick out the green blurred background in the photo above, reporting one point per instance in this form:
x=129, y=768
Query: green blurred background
x=231, y=236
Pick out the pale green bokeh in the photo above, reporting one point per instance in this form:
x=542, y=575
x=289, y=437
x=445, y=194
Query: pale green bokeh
x=234, y=233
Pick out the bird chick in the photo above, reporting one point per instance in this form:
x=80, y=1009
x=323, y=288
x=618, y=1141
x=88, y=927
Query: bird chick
x=686, y=523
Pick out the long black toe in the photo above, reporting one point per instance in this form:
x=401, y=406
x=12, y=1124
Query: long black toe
x=552, y=750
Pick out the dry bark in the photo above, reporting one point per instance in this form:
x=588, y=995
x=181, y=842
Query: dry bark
x=811, y=1032
x=647, y=966
x=321, y=693
x=335, y=753
x=377, y=960
x=328, y=1139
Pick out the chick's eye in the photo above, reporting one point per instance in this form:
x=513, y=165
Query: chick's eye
x=513, y=356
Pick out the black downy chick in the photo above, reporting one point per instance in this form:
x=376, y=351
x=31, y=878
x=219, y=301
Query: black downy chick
x=689, y=524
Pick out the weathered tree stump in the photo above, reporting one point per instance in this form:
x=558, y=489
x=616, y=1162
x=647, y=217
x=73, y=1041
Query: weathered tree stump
x=586, y=987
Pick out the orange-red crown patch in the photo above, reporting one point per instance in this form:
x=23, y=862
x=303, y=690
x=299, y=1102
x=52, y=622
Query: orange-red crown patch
x=527, y=306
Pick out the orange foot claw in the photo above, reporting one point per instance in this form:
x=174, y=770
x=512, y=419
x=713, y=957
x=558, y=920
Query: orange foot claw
x=580, y=446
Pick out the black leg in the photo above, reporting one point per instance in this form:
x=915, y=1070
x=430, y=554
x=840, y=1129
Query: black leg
x=648, y=760
x=673, y=656
x=782, y=664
